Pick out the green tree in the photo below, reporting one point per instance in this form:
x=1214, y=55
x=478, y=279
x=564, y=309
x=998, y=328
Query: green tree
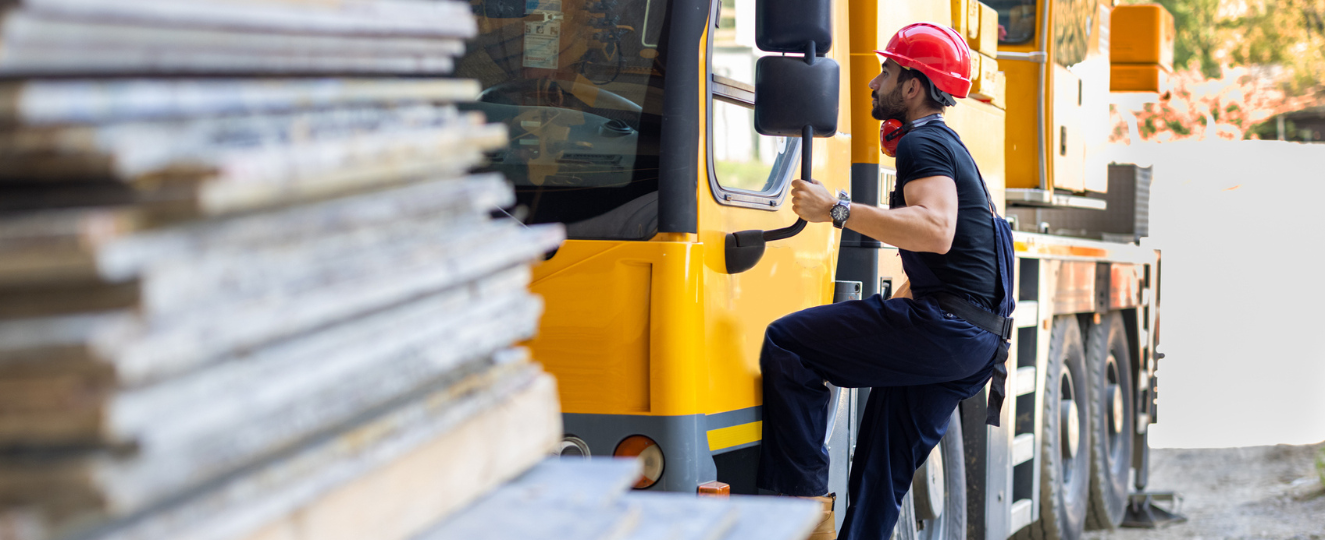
x=1289, y=34
x=1285, y=33
x=1196, y=34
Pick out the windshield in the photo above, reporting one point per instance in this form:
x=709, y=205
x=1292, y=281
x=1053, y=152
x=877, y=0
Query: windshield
x=1017, y=17
x=579, y=85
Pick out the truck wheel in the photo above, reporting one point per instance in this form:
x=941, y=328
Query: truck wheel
x=1112, y=421
x=939, y=488
x=1065, y=439
x=906, y=520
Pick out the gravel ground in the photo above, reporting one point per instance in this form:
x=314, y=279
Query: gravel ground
x=1258, y=492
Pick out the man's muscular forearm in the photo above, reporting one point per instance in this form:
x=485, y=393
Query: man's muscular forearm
x=927, y=224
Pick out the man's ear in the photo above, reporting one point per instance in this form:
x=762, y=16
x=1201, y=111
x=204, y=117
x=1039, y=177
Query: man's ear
x=913, y=87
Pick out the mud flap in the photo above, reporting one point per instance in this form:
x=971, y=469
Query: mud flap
x=1143, y=513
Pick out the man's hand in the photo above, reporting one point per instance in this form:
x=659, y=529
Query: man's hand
x=811, y=201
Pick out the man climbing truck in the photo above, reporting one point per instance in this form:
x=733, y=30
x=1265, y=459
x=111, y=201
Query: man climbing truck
x=921, y=357
x=665, y=135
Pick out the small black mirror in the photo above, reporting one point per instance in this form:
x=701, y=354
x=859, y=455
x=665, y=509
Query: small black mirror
x=791, y=94
x=786, y=25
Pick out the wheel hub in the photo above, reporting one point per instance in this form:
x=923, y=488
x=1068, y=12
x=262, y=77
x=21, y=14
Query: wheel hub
x=1115, y=394
x=934, y=473
x=1071, y=428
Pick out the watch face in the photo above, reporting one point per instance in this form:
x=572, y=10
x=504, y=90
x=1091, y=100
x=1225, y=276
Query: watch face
x=838, y=212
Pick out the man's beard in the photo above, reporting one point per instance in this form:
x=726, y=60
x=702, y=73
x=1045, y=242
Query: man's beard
x=890, y=107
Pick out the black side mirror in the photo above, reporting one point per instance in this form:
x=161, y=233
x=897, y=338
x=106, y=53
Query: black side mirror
x=794, y=96
x=786, y=25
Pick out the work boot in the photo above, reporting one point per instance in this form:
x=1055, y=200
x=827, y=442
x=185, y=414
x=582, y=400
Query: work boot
x=827, y=529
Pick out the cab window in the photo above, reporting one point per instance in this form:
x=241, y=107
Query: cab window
x=579, y=86
x=747, y=168
x=1017, y=17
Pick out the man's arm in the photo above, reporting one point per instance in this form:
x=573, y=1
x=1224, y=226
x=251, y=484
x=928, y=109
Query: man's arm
x=927, y=224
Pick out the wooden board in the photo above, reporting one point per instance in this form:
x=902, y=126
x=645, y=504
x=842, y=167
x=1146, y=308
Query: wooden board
x=92, y=101
x=370, y=17
x=774, y=518
x=142, y=353
x=295, y=388
x=116, y=245
x=387, y=477
x=557, y=499
x=677, y=516
x=199, y=175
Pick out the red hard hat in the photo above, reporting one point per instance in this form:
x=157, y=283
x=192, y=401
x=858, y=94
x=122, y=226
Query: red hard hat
x=937, y=51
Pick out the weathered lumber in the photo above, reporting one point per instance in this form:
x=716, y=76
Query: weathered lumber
x=28, y=29
x=116, y=245
x=773, y=518
x=145, y=351
x=674, y=516
x=211, y=171
x=364, y=17
x=576, y=499
x=387, y=477
x=139, y=147
x=319, y=375
x=181, y=287
x=92, y=101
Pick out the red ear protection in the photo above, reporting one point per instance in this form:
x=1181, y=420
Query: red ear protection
x=890, y=133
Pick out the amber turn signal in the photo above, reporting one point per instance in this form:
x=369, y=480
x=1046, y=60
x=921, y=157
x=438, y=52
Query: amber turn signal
x=649, y=454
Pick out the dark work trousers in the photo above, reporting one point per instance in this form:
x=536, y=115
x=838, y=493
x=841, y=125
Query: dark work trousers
x=919, y=363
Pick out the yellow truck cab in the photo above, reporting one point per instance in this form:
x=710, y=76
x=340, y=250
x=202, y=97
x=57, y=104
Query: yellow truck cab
x=632, y=122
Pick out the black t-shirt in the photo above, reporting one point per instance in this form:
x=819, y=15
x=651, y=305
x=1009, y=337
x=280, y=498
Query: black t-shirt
x=969, y=268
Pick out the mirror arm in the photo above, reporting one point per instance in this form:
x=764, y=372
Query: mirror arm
x=745, y=248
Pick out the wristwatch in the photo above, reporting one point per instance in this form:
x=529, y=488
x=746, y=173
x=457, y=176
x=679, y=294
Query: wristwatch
x=840, y=211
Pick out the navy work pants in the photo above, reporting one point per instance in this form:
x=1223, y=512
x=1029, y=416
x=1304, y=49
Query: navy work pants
x=919, y=362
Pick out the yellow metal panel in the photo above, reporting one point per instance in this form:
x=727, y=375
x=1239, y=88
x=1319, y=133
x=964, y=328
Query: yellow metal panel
x=1142, y=34
x=864, y=65
x=1023, y=168
x=980, y=126
x=988, y=84
x=987, y=42
x=961, y=18
x=621, y=330
x=972, y=21
x=898, y=13
x=728, y=437
x=1137, y=78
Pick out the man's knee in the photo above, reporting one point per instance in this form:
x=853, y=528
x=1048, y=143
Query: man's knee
x=779, y=345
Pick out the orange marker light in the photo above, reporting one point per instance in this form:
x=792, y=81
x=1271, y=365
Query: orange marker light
x=714, y=489
x=649, y=454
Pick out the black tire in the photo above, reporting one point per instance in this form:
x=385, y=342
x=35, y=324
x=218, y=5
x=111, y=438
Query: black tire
x=1112, y=421
x=1064, y=475
x=950, y=524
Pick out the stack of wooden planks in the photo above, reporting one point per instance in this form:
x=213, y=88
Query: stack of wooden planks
x=264, y=303
x=249, y=289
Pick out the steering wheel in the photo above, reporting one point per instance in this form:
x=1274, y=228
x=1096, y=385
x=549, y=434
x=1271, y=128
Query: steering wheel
x=606, y=99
